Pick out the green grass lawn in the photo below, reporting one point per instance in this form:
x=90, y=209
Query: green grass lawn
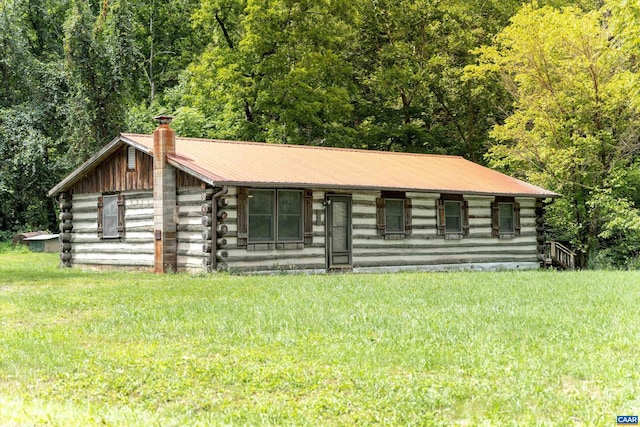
x=504, y=348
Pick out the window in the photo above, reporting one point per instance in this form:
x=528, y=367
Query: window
x=289, y=215
x=269, y=218
x=111, y=216
x=275, y=218
x=393, y=215
x=505, y=214
x=505, y=217
x=452, y=215
x=131, y=158
x=261, y=216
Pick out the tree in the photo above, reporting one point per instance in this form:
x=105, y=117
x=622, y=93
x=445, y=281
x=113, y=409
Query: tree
x=166, y=43
x=30, y=113
x=101, y=57
x=373, y=74
x=410, y=61
x=274, y=71
x=575, y=122
x=27, y=171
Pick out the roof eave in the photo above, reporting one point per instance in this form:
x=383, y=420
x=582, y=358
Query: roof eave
x=191, y=171
x=547, y=195
x=93, y=162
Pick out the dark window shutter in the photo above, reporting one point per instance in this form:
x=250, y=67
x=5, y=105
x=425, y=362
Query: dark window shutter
x=495, y=219
x=120, y=215
x=308, y=217
x=440, y=218
x=407, y=217
x=380, y=223
x=100, y=213
x=243, y=216
x=516, y=218
x=465, y=218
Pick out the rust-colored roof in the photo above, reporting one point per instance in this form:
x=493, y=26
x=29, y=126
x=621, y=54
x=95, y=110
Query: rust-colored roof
x=261, y=164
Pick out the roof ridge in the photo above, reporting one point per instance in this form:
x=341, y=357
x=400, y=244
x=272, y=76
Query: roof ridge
x=297, y=146
x=298, y=165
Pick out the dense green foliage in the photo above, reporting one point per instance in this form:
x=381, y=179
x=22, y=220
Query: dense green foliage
x=545, y=90
x=575, y=127
x=508, y=348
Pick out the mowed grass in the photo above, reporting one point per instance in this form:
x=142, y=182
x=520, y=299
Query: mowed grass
x=504, y=348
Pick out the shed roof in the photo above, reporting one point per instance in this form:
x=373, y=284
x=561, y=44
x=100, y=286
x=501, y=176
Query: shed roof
x=219, y=162
x=23, y=236
x=42, y=237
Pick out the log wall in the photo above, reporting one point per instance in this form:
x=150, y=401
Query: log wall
x=134, y=251
x=190, y=228
x=423, y=250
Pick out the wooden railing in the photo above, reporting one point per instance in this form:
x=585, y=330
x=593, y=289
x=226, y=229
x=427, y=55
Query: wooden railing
x=559, y=255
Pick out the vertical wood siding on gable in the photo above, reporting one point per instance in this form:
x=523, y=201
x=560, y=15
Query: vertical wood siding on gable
x=184, y=180
x=113, y=175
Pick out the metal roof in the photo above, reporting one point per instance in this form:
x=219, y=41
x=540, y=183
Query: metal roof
x=22, y=236
x=42, y=237
x=257, y=164
x=261, y=164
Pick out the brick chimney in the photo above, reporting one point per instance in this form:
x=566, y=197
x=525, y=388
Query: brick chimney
x=164, y=198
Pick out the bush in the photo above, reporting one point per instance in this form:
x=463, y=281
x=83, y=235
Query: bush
x=8, y=247
x=6, y=235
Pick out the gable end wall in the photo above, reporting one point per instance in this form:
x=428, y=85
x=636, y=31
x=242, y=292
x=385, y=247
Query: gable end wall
x=112, y=175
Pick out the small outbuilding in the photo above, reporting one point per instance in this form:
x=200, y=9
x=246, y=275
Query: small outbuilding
x=43, y=243
x=19, y=239
x=164, y=203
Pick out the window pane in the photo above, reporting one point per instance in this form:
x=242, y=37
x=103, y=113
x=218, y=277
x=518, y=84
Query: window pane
x=289, y=202
x=339, y=226
x=261, y=215
x=394, y=215
x=260, y=228
x=289, y=215
x=110, y=216
x=505, y=211
x=340, y=239
x=452, y=214
x=289, y=227
x=131, y=158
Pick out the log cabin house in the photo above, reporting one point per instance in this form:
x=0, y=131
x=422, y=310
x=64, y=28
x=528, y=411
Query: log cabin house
x=164, y=203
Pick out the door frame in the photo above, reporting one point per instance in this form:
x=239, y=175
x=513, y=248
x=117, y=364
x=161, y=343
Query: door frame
x=329, y=252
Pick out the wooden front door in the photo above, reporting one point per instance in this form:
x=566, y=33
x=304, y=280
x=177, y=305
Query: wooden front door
x=338, y=229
